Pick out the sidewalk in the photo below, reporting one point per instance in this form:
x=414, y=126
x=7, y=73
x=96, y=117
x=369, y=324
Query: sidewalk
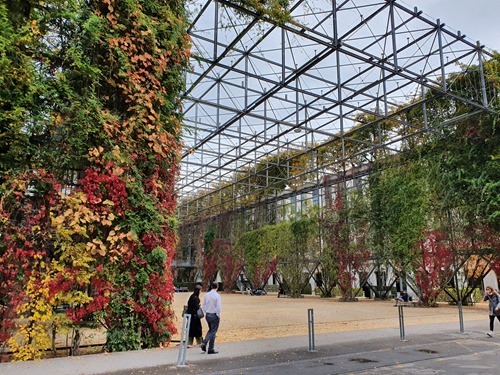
x=271, y=352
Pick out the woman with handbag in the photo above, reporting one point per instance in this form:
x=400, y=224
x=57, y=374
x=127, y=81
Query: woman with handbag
x=194, y=305
x=494, y=299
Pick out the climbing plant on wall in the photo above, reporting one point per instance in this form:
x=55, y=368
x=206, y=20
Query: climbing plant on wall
x=345, y=233
x=103, y=119
x=399, y=208
x=463, y=169
x=210, y=256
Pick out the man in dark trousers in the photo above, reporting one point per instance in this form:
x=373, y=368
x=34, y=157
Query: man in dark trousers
x=212, y=307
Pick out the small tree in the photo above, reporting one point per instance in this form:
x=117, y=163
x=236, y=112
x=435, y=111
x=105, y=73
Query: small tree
x=229, y=262
x=262, y=273
x=495, y=264
x=347, y=237
x=261, y=250
x=326, y=277
x=209, y=257
x=295, y=258
x=328, y=263
x=433, y=270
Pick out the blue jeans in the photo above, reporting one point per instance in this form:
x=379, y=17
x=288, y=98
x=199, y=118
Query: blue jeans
x=213, y=325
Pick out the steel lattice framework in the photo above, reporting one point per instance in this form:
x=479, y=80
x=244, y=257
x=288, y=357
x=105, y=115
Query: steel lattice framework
x=261, y=94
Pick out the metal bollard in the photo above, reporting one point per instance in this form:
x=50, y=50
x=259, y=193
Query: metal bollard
x=401, y=323
x=181, y=357
x=310, y=323
x=461, y=317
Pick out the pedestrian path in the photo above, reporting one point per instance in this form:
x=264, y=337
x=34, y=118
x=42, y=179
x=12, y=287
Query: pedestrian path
x=349, y=351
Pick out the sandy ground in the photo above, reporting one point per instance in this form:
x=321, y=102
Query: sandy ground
x=246, y=317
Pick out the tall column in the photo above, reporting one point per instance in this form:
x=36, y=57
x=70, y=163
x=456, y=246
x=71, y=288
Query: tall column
x=393, y=36
x=441, y=54
x=481, y=73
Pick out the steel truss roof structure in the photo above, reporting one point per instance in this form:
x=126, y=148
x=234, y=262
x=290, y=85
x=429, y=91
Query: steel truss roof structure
x=261, y=93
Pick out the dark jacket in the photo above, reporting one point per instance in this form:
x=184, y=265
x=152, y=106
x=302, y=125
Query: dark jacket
x=195, y=329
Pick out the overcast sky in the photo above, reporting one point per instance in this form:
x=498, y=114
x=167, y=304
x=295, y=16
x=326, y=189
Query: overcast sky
x=477, y=19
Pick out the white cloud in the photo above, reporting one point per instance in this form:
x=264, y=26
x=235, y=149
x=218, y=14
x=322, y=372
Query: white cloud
x=477, y=19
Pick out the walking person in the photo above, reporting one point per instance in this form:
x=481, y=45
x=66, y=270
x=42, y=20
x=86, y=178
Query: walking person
x=212, y=307
x=195, y=330
x=494, y=299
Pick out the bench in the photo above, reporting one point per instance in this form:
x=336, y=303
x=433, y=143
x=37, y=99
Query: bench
x=411, y=303
x=183, y=289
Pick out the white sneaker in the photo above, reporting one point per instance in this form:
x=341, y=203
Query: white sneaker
x=490, y=333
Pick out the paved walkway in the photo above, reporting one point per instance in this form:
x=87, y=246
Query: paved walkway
x=428, y=349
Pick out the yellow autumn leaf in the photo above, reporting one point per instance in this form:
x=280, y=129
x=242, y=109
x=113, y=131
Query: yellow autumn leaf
x=94, y=153
x=116, y=151
x=57, y=220
x=102, y=250
x=118, y=171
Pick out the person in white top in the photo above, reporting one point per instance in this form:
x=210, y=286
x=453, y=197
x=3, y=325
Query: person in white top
x=212, y=307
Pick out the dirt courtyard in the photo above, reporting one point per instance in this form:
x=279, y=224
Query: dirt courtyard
x=246, y=317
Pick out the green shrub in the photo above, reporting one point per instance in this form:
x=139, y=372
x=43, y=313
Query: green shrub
x=307, y=289
x=444, y=297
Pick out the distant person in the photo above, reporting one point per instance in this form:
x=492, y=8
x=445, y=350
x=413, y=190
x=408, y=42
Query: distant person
x=404, y=297
x=493, y=297
x=212, y=307
x=195, y=330
x=281, y=291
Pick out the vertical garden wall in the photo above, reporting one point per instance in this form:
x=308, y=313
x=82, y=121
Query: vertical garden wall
x=90, y=143
x=90, y=123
